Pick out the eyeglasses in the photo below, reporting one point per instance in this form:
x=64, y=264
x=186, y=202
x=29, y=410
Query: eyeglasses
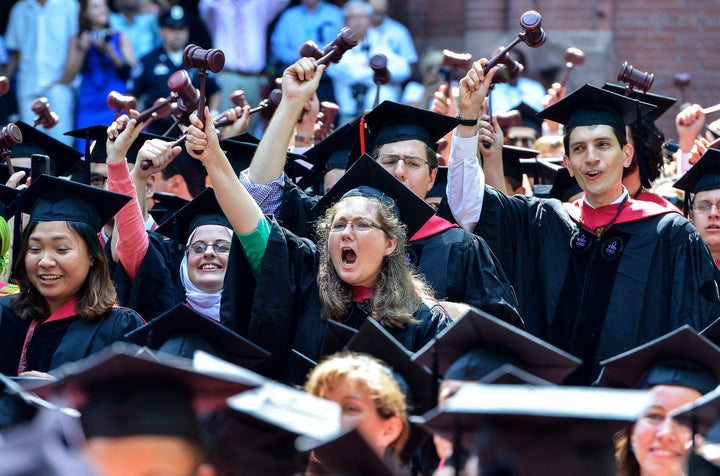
x=199, y=247
x=360, y=225
x=704, y=206
x=521, y=141
x=97, y=180
x=390, y=161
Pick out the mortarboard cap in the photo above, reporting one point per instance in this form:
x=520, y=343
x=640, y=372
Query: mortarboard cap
x=244, y=137
x=414, y=211
x=512, y=165
x=120, y=362
x=508, y=374
x=478, y=343
x=590, y=105
x=8, y=203
x=202, y=210
x=681, y=357
x=268, y=421
x=415, y=380
x=701, y=415
x=392, y=122
x=539, y=430
x=55, y=199
x=166, y=204
x=336, y=337
x=350, y=454
x=661, y=103
x=339, y=149
x=66, y=159
x=564, y=187
x=529, y=117
x=439, y=187
x=167, y=332
x=703, y=176
x=712, y=332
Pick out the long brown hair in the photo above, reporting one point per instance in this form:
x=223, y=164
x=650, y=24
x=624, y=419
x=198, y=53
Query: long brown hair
x=97, y=294
x=398, y=288
x=624, y=456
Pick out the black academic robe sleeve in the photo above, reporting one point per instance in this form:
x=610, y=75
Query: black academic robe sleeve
x=157, y=286
x=296, y=214
x=460, y=267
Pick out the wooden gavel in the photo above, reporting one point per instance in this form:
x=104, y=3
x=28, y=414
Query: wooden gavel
x=682, y=81
x=509, y=119
x=532, y=35
x=189, y=98
x=266, y=106
x=333, y=51
x=381, y=75
x=121, y=103
x=635, y=79
x=510, y=70
x=196, y=57
x=326, y=120
x=46, y=117
x=454, y=64
x=238, y=98
x=10, y=135
x=4, y=85
x=573, y=57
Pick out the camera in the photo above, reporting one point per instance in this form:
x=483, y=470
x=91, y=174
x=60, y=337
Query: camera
x=101, y=35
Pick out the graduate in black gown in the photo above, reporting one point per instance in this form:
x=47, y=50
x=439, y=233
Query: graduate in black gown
x=606, y=273
x=66, y=308
x=357, y=272
x=458, y=266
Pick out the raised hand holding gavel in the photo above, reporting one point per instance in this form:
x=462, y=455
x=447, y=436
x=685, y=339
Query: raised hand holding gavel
x=326, y=120
x=46, y=117
x=532, y=35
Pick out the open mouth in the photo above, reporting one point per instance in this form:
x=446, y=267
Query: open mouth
x=49, y=278
x=592, y=174
x=348, y=256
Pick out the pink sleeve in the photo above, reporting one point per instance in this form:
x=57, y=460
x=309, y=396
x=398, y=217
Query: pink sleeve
x=132, y=241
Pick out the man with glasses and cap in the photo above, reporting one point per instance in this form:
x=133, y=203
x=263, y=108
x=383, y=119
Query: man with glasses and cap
x=599, y=276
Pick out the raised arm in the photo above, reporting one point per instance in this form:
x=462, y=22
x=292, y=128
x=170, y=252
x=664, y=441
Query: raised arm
x=299, y=83
x=237, y=204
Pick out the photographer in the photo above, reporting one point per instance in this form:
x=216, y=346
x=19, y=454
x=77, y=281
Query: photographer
x=103, y=58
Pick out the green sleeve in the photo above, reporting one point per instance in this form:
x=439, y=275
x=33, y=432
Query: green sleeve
x=255, y=243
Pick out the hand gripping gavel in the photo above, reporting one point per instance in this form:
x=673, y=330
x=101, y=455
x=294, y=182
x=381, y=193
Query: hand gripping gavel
x=4, y=85
x=635, y=79
x=326, y=120
x=46, y=117
x=532, y=35
x=10, y=135
x=121, y=102
x=510, y=70
x=573, y=57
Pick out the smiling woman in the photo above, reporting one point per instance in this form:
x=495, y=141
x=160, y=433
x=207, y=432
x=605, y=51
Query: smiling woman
x=65, y=309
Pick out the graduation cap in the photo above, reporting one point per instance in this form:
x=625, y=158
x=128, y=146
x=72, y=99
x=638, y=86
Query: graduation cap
x=66, y=159
x=478, y=343
x=414, y=379
x=508, y=374
x=55, y=199
x=393, y=122
x=564, y=187
x=703, y=176
x=268, y=421
x=439, y=187
x=350, y=454
x=712, y=332
x=512, y=165
x=181, y=330
x=17, y=405
x=244, y=137
x=166, y=204
x=661, y=103
x=336, y=337
x=121, y=367
x=701, y=415
x=590, y=105
x=339, y=149
x=681, y=357
x=414, y=211
x=202, y=210
x=8, y=195
x=539, y=430
x=529, y=117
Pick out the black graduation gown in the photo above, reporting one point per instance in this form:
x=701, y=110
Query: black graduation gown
x=65, y=340
x=459, y=266
x=596, y=298
x=281, y=310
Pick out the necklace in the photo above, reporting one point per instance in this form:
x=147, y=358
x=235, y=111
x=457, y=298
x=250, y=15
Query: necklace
x=598, y=231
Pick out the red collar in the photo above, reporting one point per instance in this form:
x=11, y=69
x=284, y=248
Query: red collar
x=432, y=227
x=68, y=309
x=633, y=210
x=361, y=293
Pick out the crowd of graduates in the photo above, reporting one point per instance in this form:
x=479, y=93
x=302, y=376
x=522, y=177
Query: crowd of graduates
x=449, y=289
